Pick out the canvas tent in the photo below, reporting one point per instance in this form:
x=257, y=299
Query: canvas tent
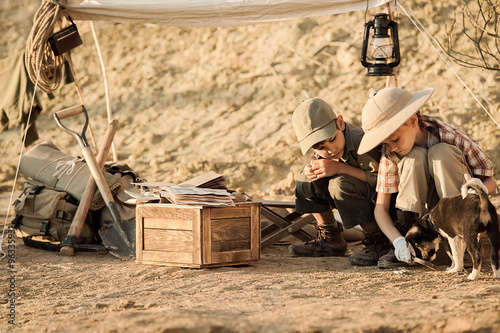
x=211, y=12
x=217, y=13
x=207, y=13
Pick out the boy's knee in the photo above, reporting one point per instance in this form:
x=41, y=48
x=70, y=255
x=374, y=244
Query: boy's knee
x=444, y=152
x=341, y=186
x=417, y=154
x=414, y=162
x=301, y=177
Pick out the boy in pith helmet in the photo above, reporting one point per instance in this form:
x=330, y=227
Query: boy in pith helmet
x=423, y=160
x=337, y=178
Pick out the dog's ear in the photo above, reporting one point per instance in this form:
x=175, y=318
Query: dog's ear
x=417, y=230
x=414, y=232
x=413, y=236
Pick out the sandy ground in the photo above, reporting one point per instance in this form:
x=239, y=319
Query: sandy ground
x=92, y=293
x=100, y=293
x=190, y=100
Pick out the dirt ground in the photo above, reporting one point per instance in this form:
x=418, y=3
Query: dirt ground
x=93, y=292
x=190, y=100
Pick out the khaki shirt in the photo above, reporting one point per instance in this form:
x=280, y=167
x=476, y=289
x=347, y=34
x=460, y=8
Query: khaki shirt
x=367, y=162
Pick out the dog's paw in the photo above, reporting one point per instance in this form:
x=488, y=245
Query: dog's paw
x=473, y=275
x=452, y=270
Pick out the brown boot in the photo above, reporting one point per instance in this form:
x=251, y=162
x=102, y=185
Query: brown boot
x=328, y=243
x=376, y=245
x=404, y=222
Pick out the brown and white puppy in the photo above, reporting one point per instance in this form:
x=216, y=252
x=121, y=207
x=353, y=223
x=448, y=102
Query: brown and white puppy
x=459, y=218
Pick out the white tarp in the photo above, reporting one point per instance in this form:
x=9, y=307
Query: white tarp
x=212, y=13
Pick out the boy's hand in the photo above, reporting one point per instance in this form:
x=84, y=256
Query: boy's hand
x=309, y=171
x=403, y=250
x=322, y=168
x=326, y=168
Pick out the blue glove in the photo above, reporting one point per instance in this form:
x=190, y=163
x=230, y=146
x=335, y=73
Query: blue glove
x=403, y=250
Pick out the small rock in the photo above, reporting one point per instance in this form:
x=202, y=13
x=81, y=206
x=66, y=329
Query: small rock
x=125, y=304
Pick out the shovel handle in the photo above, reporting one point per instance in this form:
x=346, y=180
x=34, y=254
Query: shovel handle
x=99, y=179
x=69, y=112
x=84, y=206
x=103, y=187
x=66, y=113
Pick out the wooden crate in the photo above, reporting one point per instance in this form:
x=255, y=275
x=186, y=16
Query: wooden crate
x=198, y=236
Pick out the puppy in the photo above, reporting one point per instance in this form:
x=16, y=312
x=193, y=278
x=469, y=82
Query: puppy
x=460, y=218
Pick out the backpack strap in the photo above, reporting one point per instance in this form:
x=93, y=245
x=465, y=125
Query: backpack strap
x=44, y=229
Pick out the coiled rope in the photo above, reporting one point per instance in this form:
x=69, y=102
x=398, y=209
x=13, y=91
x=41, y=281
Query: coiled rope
x=39, y=54
x=42, y=65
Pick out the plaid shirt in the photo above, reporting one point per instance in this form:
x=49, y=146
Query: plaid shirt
x=479, y=163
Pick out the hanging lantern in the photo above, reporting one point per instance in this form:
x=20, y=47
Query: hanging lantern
x=380, y=52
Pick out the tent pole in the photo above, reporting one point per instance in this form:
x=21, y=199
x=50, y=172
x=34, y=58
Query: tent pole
x=391, y=81
x=68, y=57
x=106, y=91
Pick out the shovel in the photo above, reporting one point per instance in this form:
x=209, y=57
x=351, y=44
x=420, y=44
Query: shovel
x=69, y=244
x=113, y=234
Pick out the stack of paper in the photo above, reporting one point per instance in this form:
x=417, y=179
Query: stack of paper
x=197, y=196
x=209, y=179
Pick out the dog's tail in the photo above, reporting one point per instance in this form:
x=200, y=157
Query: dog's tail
x=474, y=186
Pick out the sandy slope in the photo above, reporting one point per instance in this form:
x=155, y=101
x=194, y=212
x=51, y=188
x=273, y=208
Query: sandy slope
x=194, y=99
x=191, y=100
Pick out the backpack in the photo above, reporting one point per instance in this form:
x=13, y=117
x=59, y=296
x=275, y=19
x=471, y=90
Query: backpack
x=46, y=164
x=45, y=212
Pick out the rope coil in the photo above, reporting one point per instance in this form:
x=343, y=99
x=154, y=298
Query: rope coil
x=39, y=54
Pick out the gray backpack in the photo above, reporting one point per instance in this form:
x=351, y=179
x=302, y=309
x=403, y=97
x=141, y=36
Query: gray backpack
x=46, y=213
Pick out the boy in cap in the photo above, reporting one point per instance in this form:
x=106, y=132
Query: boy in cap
x=423, y=160
x=339, y=178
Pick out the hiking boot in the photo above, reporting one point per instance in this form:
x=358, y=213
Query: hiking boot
x=328, y=243
x=390, y=261
x=376, y=245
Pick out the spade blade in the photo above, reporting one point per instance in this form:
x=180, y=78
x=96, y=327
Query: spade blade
x=119, y=239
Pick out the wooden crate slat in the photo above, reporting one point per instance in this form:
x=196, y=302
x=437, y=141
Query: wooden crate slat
x=139, y=240
x=170, y=213
x=168, y=240
x=231, y=245
x=199, y=255
x=168, y=223
x=235, y=229
x=167, y=257
x=229, y=212
x=231, y=256
x=255, y=240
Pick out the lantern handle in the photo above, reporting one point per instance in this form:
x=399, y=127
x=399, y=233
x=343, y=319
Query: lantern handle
x=394, y=31
x=364, y=49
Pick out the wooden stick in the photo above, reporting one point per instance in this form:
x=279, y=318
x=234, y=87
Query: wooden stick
x=69, y=112
x=83, y=208
x=106, y=91
x=79, y=91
